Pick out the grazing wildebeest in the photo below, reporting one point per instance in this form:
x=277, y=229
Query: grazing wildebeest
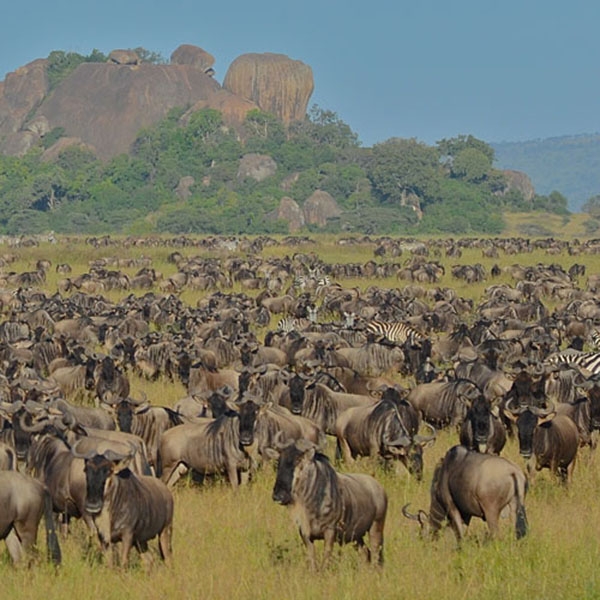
x=127, y=508
x=380, y=430
x=552, y=439
x=330, y=506
x=209, y=448
x=483, y=430
x=470, y=484
x=8, y=458
x=23, y=501
x=444, y=403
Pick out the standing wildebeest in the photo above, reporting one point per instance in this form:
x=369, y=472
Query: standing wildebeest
x=443, y=403
x=264, y=422
x=146, y=421
x=469, y=484
x=8, y=458
x=209, y=448
x=380, y=430
x=483, y=430
x=551, y=438
x=23, y=501
x=330, y=506
x=127, y=508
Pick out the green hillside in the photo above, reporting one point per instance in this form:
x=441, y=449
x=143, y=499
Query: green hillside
x=567, y=164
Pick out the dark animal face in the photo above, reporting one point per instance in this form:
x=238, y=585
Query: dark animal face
x=414, y=461
x=125, y=416
x=526, y=423
x=90, y=368
x=97, y=470
x=289, y=458
x=594, y=396
x=297, y=392
x=248, y=411
x=479, y=415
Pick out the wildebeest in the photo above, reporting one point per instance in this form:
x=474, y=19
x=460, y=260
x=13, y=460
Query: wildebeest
x=127, y=508
x=146, y=421
x=330, y=506
x=470, y=484
x=380, y=430
x=262, y=423
x=552, y=439
x=208, y=448
x=444, y=403
x=8, y=458
x=23, y=501
x=483, y=430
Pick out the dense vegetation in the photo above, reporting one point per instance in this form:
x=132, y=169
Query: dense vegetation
x=570, y=164
x=397, y=186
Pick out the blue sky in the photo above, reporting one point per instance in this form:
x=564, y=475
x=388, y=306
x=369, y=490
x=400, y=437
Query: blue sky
x=428, y=69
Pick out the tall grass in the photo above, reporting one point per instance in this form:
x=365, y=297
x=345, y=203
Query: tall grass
x=241, y=545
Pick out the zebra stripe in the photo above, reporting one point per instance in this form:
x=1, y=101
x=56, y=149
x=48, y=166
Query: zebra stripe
x=595, y=338
x=289, y=324
x=587, y=361
x=396, y=332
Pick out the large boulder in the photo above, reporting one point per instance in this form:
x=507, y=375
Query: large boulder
x=275, y=82
x=517, y=180
x=124, y=57
x=288, y=210
x=320, y=207
x=256, y=166
x=233, y=108
x=106, y=104
x=20, y=93
x=183, y=190
x=187, y=54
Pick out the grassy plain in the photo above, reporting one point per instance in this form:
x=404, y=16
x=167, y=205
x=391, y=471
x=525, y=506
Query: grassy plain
x=242, y=545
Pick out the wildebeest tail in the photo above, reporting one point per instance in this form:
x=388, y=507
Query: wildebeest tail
x=54, y=553
x=521, y=525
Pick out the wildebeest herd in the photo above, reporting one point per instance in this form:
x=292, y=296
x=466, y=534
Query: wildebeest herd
x=282, y=360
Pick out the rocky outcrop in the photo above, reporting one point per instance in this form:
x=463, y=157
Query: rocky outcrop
x=275, y=82
x=187, y=54
x=257, y=167
x=124, y=57
x=517, y=180
x=288, y=210
x=106, y=104
x=183, y=191
x=63, y=143
x=20, y=93
x=320, y=207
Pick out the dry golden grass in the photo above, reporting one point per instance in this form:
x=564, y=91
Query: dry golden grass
x=242, y=545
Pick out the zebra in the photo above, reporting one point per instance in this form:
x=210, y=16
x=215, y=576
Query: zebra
x=396, y=332
x=289, y=324
x=587, y=362
x=595, y=339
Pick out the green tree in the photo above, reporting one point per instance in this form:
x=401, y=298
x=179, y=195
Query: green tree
x=404, y=171
x=592, y=206
x=454, y=146
x=471, y=164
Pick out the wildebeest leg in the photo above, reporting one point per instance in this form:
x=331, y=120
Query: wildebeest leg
x=234, y=476
x=310, y=550
x=126, y=543
x=172, y=474
x=164, y=544
x=376, y=540
x=458, y=525
x=363, y=550
x=329, y=539
x=145, y=556
x=14, y=546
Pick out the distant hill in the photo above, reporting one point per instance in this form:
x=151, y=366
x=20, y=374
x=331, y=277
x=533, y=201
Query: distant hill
x=567, y=164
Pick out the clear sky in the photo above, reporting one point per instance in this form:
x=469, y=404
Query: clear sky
x=501, y=70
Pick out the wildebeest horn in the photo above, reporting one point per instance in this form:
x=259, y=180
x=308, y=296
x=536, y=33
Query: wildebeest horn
x=543, y=412
x=421, y=517
x=424, y=439
x=514, y=411
x=280, y=443
x=401, y=440
x=33, y=428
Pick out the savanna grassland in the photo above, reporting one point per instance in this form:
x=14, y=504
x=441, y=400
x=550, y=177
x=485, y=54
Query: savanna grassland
x=238, y=545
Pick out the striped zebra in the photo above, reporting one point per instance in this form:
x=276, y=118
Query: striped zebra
x=396, y=332
x=289, y=324
x=587, y=362
x=595, y=339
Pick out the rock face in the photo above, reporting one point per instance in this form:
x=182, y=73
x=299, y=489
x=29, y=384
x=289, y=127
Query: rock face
x=107, y=104
x=187, y=54
x=320, y=207
x=182, y=191
x=517, y=180
x=289, y=211
x=256, y=166
x=54, y=151
x=275, y=82
x=20, y=93
x=104, y=105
